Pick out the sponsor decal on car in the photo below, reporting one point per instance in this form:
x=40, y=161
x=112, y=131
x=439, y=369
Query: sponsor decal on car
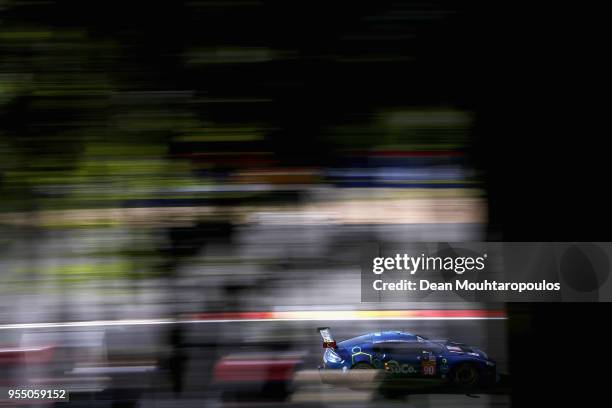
x=394, y=367
x=428, y=366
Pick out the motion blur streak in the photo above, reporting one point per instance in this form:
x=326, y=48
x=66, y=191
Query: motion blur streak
x=331, y=315
x=327, y=316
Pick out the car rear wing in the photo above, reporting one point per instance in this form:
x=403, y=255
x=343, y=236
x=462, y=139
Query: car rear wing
x=328, y=340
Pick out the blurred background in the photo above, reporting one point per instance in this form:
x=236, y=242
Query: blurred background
x=186, y=183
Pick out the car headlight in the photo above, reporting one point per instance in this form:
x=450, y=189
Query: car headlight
x=490, y=364
x=332, y=357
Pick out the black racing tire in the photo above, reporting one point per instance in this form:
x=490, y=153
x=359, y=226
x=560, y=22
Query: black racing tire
x=359, y=378
x=466, y=375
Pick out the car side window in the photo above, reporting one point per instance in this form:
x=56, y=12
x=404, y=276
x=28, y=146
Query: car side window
x=401, y=348
x=407, y=348
x=433, y=348
x=386, y=347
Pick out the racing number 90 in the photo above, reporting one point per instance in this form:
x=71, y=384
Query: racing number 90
x=429, y=370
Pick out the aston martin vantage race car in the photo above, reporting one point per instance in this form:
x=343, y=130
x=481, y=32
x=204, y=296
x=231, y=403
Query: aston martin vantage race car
x=409, y=356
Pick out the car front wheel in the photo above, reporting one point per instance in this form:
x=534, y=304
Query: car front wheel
x=466, y=375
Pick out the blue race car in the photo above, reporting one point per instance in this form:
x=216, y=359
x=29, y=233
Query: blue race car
x=406, y=355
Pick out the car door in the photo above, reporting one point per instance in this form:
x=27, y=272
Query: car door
x=401, y=358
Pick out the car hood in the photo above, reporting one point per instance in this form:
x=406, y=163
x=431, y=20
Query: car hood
x=461, y=348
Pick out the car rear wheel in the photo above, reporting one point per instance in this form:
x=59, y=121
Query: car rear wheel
x=466, y=375
x=361, y=376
